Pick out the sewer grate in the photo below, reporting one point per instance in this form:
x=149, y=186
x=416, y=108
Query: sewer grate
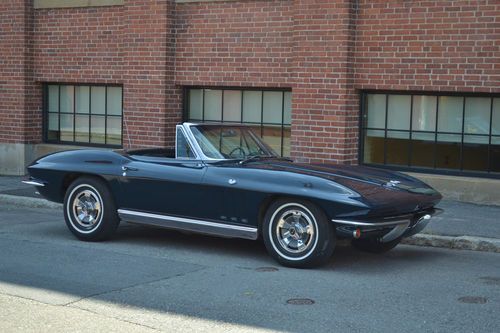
x=266, y=269
x=473, y=300
x=300, y=301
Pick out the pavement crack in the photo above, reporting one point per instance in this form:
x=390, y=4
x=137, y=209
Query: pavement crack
x=132, y=286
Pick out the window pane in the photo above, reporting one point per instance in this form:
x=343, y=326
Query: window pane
x=477, y=115
x=398, y=112
x=422, y=136
x=97, y=124
x=288, y=109
x=376, y=111
x=495, y=125
x=424, y=113
x=195, y=104
x=398, y=134
x=272, y=136
x=98, y=100
x=286, y=141
x=82, y=99
x=53, y=129
x=273, y=107
x=475, y=157
x=495, y=156
x=450, y=114
x=422, y=153
x=53, y=99
x=183, y=147
x=66, y=127
x=252, y=106
x=449, y=138
x=213, y=105
x=114, y=101
x=232, y=105
x=397, y=146
x=67, y=95
x=476, y=139
x=448, y=152
x=82, y=128
x=114, y=130
x=374, y=147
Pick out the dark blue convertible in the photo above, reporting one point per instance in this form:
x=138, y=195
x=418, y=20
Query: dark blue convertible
x=223, y=180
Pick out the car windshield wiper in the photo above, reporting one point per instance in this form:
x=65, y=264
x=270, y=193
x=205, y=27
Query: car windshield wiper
x=262, y=157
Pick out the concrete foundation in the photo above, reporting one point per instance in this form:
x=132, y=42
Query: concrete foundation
x=483, y=191
x=14, y=157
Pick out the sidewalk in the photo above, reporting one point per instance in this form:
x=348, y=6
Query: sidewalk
x=461, y=226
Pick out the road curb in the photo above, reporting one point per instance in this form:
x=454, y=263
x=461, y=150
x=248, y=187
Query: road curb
x=450, y=242
x=27, y=202
x=460, y=242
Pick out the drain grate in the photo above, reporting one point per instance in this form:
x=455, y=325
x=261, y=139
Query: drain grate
x=300, y=301
x=473, y=300
x=266, y=269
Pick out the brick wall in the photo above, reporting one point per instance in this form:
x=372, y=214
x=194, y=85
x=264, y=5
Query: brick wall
x=323, y=101
x=152, y=103
x=428, y=45
x=326, y=51
x=130, y=45
x=243, y=43
x=18, y=113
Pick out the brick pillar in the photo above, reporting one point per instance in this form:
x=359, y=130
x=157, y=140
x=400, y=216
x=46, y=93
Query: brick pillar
x=325, y=105
x=151, y=106
x=20, y=120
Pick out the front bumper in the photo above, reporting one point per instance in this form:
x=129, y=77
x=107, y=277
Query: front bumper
x=387, y=229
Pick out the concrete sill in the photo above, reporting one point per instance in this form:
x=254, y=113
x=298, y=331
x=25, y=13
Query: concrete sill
x=42, y=4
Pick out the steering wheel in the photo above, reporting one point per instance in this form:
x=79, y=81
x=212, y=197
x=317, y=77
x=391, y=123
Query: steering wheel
x=242, y=152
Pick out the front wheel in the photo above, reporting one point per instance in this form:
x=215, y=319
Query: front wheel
x=297, y=233
x=89, y=210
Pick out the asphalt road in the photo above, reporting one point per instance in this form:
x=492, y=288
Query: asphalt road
x=148, y=279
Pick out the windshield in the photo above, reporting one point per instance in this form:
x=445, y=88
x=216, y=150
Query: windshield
x=225, y=142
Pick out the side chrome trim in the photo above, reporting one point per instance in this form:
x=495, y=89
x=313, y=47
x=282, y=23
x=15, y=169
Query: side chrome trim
x=374, y=224
x=33, y=182
x=183, y=223
x=395, y=222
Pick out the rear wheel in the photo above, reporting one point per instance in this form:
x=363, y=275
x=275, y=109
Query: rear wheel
x=374, y=245
x=297, y=233
x=89, y=209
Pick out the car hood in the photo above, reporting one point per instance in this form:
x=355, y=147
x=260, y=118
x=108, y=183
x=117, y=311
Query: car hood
x=361, y=179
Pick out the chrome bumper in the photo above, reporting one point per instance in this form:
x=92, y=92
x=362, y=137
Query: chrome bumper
x=392, y=228
x=34, y=182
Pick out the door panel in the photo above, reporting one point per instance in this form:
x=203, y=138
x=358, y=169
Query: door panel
x=237, y=193
x=163, y=185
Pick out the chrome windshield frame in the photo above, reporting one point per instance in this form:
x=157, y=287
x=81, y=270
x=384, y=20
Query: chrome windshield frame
x=199, y=152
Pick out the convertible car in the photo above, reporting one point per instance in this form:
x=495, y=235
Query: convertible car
x=223, y=180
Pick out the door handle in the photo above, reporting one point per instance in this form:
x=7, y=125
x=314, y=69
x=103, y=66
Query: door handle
x=127, y=168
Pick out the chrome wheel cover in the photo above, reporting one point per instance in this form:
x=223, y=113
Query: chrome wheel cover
x=295, y=231
x=85, y=208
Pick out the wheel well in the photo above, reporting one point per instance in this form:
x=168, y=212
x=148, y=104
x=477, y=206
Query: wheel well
x=69, y=178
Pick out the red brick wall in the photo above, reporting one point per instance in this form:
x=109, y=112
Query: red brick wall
x=326, y=51
x=323, y=100
x=244, y=43
x=428, y=45
x=152, y=103
x=18, y=115
x=83, y=45
x=130, y=45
